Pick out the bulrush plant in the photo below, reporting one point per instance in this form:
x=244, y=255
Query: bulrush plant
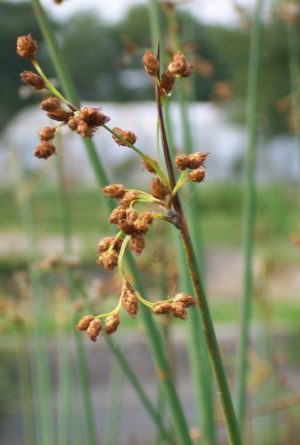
x=138, y=211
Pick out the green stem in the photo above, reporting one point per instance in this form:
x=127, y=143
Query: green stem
x=178, y=418
x=249, y=216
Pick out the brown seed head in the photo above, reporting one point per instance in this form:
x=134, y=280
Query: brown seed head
x=114, y=190
x=158, y=189
x=128, y=198
x=84, y=130
x=44, y=150
x=141, y=225
x=93, y=117
x=94, y=329
x=108, y=259
x=178, y=65
x=84, y=322
x=50, y=104
x=32, y=79
x=128, y=136
x=197, y=175
x=126, y=227
x=26, y=46
x=109, y=241
x=111, y=324
x=195, y=160
x=73, y=123
x=150, y=62
x=186, y=299
x=131, y=215
x=137, y=244
x=161, y=307
x=47, y=133
x=188, y=71
x=117, y=214
x=147, y=217
x=167, y=80
x=129, y=299
x=178, y=310
x=60, y=115
x=148, y=166
x=182, y=162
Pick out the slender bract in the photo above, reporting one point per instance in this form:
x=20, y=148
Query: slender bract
x=176, y=412
x=249, y=214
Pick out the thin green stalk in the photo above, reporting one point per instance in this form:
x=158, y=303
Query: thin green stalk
x=178, y=418
x=113, y=411
x=249, y=216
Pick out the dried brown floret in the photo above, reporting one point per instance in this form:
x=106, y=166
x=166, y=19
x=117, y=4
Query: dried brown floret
x=128, y=198
x=197, y=159
x=150, y=62
x=186, y=299
x=84, y=130
x=84, y=322
x=141, y=225
x=108, y=259
x=94, y=329
x=167, y=80
x=129, y=299
x=26, y=46
x=47, y=133
x=158, y=189
x=117, y=214
x=147, y=217
x=178, y=310
x=44, y=150
x=50, y=104
x=182, y=162
x=161, y=307
x=126, y=227
x=114, y=190
x=178, y=65
x=188, y=71
x=111, y=324
x=109, y=241
x=60, y=115
x=128, y=136
x=32, y=79
x=137, y=244
x=148, y=166
x=131, y=215
x=197, y=175
x=93, y=117
x=73, y=123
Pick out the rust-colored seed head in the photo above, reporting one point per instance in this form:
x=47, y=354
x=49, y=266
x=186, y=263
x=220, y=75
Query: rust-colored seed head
x=26, y=46
x=188, y=71
x=109, y=241
x=131, y=215
x=167, y=80
x=44, y=150
x=47, y=133
x=148, y=166
x=195, y=160
x=50, y=104
x=158, y=189
x=197, y=175
x=178, y=310
x=93, y=117
x=94, y=329
x=32, y=79
x=186, y=299
x=137, y=244
x=178, y=65
x=129, y=299
x=150, y=62
x=147, y=217
x=114, y=190
x=161, y=307
x=111, y=324
x=182, y=162
x=128, y=136
x=60, y=115
x=73, y=123
x=84, y=130
x=84, y=322
x=128, y=198
x=117, y=214
x=108, y=259
x=126, y=227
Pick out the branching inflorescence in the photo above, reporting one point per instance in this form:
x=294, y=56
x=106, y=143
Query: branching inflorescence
x=131, y=222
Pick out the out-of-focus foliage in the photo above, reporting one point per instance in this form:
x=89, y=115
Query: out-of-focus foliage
x=102, y=71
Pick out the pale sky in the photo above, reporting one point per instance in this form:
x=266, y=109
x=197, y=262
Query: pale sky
x=212, y=11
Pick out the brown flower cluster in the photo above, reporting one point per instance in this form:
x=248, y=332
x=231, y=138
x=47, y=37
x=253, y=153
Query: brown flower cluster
x=178, y=67
x=124, y=138
x=109, y=249
x=177, y=306
x=93, y=326
x=129, y=299
x=195, y=162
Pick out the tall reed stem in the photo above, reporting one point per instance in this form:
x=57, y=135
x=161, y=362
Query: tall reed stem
x=249, y=215
x=161, y=363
